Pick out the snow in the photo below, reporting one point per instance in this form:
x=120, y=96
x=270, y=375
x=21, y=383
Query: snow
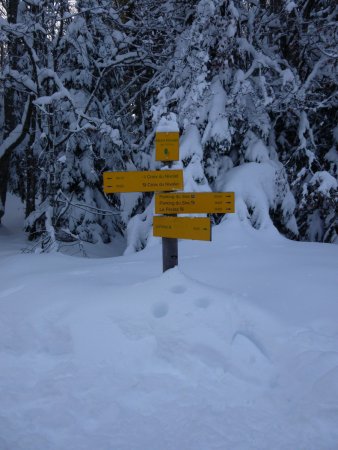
x=23, y=79
x=288, y=76
x=290, y=6
x=10, y=140
x=218, y=126
x=303, y=127
x=332, y=156
x=256, y=150
x=325, y=181
x=168, y=123
x=194, y=177
x=231, y=29
x=256, y=193
x=139, y=229
x=206, y=8
x=113, y=133
x=190, y=143
x=234, y=349
x=233, y=10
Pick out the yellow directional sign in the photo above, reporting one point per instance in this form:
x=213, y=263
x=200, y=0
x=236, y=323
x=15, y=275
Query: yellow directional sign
x=193, y=202
x=145, y=181
x=166, y=144
x=198, y=228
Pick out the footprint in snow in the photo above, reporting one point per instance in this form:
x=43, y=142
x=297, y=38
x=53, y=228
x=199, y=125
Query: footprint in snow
x=179, y=289
x=160, y=309
x=202, y=302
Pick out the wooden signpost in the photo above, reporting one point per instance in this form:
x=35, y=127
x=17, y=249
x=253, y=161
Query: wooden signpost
x=170, y=227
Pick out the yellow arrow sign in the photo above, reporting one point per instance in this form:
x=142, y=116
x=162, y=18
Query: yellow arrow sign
x=193, y=202
x=198, y=228
x=166, y=144
x=147, y=181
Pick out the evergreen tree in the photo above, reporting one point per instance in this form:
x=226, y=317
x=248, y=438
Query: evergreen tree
x=254, y=84
x=253, y=87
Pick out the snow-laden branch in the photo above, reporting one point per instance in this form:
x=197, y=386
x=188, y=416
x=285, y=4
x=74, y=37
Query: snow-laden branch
x=125, y=58
x=312, y=75
x=259, y=57
x=18, y=134
x=88, y=208
x=22, y=79
x=49, y=99
x=326, y=53
x=48, y=74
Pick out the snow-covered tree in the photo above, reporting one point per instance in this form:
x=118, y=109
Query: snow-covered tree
x=76, y=59
x=255, y=83
x=252, y=85
x=305, y=127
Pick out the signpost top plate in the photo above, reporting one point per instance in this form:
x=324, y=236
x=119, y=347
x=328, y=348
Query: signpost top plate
x=167, y=146
x=145, y=181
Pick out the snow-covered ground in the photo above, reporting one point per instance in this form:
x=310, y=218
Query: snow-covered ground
x=236, y=349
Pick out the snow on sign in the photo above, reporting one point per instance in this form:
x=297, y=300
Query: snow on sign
x=167, y=147
x=145, y=181
x=198, y=228
x=191, y=203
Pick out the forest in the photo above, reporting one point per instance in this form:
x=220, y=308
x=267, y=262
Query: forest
x=251, y=84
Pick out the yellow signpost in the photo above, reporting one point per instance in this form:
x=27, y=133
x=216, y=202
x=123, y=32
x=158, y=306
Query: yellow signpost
x=146, y=181
x=170, y=227
x=191, y=203
x=166, y=144
x=198, y=228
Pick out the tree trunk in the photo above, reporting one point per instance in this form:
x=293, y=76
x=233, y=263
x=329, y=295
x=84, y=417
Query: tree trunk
x=9, y=123
x=30, y=174
x=4, y=169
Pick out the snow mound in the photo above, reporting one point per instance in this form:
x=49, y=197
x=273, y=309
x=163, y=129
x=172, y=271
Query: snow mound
x=235, y=349
x=168, y=124
x=259, y=188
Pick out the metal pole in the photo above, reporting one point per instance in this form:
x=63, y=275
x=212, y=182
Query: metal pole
x=169, y=247
x=169, y=253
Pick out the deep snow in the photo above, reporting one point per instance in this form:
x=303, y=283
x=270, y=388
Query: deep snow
x=236, y=349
